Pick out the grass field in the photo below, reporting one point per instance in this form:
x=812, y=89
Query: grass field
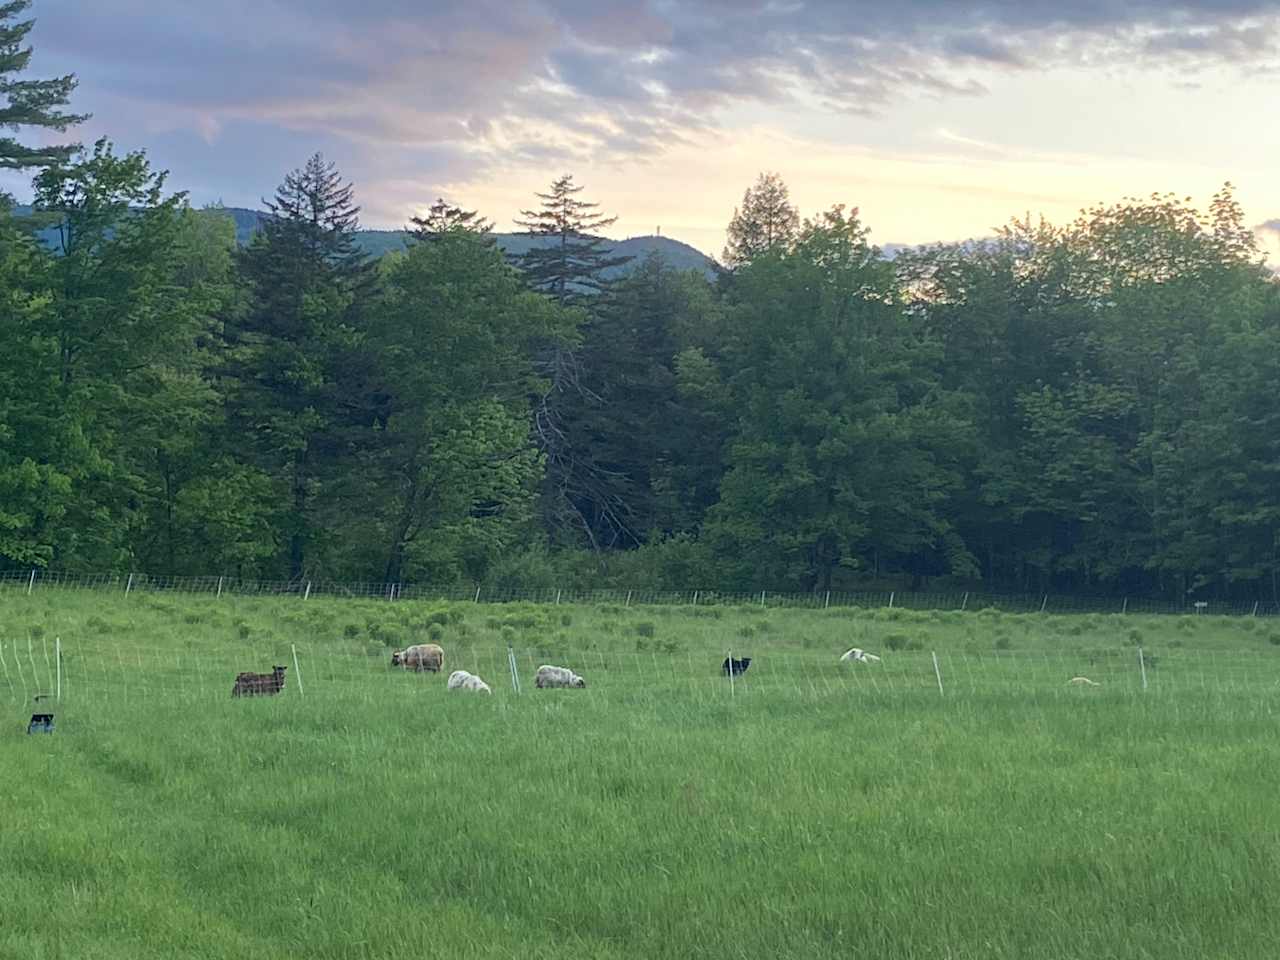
x=811, y=810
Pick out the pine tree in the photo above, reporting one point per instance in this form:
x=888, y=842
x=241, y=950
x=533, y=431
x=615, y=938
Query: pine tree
x=574, y=264
x=30, y=103
x=765, y=221
x=295, y=383
x=443, y=218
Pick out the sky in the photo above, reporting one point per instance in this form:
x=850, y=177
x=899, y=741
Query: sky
x=940, y=120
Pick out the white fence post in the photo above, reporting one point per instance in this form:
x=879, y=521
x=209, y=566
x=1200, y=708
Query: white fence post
x=297, y=670
x=515, y=670
x=1255, y=608
x=762, y=598
x=1125, y=608
x=695, y=598
x=1142, y=665
x=730, y=662
x=57, y=659
x=1044, y=603
x=965, y=602
x=128, y=586
x=628, y=603
x=827, y=603
x=219, y=588
x=558, y=592
x=32, y=582
x=891, y=595
x=937, y=672
x=477, y=600
x=307, y=595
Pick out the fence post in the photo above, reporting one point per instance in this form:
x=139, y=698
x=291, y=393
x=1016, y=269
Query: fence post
x=695, y=598
x=515, y=671
x=1142, y=665
x=937, y=672
x=891, y=595
x=730, y=662
x=128, y=586
x=1044, y=603
x=307, y=595
x=1255, y=608
x=219, y=588
x=57, y=659
x=297, y=670
x=32, y=582
x=965, y=602
x=558, y=591
x=762, y=598
x=1125, y=608
x=628, y=603
x=477, y=600
x=827, y=603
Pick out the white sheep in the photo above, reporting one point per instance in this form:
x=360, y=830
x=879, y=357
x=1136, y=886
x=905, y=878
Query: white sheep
x=549, y=676
x=861, y=656
x=462, y=680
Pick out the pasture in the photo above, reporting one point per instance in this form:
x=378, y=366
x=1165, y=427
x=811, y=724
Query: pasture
x=808, y=809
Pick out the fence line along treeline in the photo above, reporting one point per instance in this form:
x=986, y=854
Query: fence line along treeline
x=973, y=601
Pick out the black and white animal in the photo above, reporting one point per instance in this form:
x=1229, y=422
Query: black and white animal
x=860, y=656
x=259, y=684
x=462, y=680
x=733, y=667
x=549, y=676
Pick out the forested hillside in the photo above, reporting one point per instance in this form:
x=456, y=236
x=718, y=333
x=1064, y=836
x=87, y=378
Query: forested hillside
x=1089, y=406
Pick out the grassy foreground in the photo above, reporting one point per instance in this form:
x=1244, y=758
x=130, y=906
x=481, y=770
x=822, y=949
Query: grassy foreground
x=812, y=811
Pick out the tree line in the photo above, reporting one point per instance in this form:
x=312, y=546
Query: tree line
x=1087, y=407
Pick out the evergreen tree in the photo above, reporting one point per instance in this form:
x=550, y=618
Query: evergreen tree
x=30, y=103
x=296, y=380
x=569, y=261
x=766, y=221
x=443, y=218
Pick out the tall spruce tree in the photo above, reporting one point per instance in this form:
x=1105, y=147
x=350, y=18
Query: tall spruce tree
x=30, y=103
x=765, y=221
x=443, y=218
x=569, y=263
x=292, y=355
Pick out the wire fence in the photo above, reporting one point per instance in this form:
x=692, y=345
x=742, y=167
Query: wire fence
x=221, y=586
x=101, y=672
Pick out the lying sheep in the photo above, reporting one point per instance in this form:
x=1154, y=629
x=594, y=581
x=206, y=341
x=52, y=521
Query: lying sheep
x=1083, y=682
x=861, y=656
x=422, y=656
x=549, y=676
x=462, y=680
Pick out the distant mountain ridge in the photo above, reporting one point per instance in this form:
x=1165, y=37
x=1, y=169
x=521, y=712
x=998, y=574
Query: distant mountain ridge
x=679, y=256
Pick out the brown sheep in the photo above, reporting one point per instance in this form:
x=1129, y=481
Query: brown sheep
x=259, y=684
x=422, y=656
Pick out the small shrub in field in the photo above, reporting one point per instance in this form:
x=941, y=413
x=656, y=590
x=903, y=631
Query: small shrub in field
x=456, y=616
x=37, y=632
x=991, y=612
x=1274, y=638
x=897, y=641
x=641, y=644
x=193, y=618
x=1248, y=625
x=566, y=619
x=746, y=630
x=1177, y=643
x=435, y=632
x=526, y=621
x=509, y=635
x=644, y=628
x=608, y=608
x=1003, y=643
x=1135, y=637
x=440, y=617
x=492, y=623
x=97, y=624
x=669, y=646
x=914, y=645
x=243, y=630
x=764, y=626
x=351, y=631
x=1186, y=623
x=1076, y=629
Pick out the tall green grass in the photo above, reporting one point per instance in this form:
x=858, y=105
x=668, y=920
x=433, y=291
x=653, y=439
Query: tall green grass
x=811, y=810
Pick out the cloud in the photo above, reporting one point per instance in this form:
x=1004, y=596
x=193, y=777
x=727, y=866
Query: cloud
x=473, y=85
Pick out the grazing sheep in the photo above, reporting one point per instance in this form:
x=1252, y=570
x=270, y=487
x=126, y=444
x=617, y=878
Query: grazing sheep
x=462, y=680
x=259, y=684
x=1083, y=682
x=733, y=667
x=861, y=656
x=422, y=656
x=549, y=676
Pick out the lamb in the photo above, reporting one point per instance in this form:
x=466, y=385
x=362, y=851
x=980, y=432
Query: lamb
x=861, y=656
x=422, y=656
x=259, y=684
x=1083, y=682
x=462, y=680
x=549, y=676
